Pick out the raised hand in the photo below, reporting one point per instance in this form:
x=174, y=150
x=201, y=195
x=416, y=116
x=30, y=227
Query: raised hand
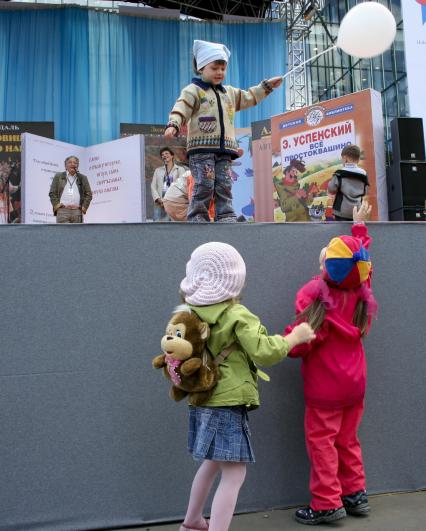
x=362, y=213
x=275, y=81
x=170, y=132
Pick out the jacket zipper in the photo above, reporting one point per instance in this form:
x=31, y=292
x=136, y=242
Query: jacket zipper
x=222, y=126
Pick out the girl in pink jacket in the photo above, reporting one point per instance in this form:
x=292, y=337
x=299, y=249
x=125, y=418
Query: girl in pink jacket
x=338, y=305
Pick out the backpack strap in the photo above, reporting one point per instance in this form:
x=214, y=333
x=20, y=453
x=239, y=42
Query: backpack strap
x=221, y=357
x=339, y=179
x=338, y=199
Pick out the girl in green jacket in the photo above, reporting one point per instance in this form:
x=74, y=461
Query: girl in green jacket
x=218, y=431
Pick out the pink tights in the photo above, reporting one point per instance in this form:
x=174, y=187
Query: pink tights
x=225, y=498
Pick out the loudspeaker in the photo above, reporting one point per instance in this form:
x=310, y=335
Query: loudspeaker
x=406, y=185
x=408, y=214
x=408, y=142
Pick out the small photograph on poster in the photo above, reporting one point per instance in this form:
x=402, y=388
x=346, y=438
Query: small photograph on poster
x=10, y=165
x=152, y=152
x=153, y=145
x=10, y=193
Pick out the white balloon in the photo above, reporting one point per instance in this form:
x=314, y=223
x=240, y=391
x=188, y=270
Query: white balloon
x=367, y=30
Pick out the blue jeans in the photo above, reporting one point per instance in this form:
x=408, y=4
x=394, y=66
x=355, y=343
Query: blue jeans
x=212, y=179
x=160, y=214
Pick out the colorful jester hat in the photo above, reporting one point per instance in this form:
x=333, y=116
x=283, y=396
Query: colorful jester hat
x=347, y=263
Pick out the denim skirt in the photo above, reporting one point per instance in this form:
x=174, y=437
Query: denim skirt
x=220, y=434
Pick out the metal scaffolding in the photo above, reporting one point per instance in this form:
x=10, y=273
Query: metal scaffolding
x=299, y=16
x=296, y=89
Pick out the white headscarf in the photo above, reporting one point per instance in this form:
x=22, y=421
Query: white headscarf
x=207, y=52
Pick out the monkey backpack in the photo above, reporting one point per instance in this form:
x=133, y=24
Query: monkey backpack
x=186, y=361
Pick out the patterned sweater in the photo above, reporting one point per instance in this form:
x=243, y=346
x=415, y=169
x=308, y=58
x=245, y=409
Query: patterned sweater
x=209, y=112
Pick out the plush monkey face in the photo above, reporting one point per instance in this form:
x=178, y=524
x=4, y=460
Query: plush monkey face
x=185, y=336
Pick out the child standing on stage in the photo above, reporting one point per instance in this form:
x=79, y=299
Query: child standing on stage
x=218, y=431
x=348, y=185
x=209, y=108
x=338, y=305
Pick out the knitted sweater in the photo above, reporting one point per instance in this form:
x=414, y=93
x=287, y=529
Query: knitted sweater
x=209, y=112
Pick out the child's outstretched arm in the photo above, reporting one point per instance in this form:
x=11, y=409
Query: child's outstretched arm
x=251, y=97
x=262, y=348
x=301, y=334
x=275, y=82
x=359, y=229
x=304, y=298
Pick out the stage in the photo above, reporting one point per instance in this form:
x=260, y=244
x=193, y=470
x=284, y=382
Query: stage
x=90, y=439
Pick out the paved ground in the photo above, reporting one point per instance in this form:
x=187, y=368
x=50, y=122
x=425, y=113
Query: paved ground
x=389, y=512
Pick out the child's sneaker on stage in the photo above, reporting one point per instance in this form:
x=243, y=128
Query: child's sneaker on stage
x=356, y=503
x=308, y=516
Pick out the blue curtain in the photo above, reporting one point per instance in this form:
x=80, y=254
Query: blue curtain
x=88, y=71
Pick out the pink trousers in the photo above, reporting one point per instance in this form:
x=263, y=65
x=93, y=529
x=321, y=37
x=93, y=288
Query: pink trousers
x=335, y=454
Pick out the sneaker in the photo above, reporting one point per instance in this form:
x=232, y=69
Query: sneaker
x=310, y=517
x=356, y=503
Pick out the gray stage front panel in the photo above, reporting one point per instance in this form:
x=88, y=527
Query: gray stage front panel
x=90, y=438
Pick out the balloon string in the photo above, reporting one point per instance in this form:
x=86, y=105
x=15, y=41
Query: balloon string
x=309, y=60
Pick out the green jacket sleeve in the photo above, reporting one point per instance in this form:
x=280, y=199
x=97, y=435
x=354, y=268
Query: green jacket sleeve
x=253, y=337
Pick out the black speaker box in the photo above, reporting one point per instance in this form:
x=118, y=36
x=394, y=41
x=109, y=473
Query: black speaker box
x=406, y=185
x=408, y=142
x=408, y=214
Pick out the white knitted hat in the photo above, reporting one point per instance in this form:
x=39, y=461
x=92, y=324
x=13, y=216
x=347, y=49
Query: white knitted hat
x=206, y=52
x=216, y=272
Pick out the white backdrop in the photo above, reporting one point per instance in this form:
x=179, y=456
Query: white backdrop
x=114, y=169
x=414, y=16
x=41, y=159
